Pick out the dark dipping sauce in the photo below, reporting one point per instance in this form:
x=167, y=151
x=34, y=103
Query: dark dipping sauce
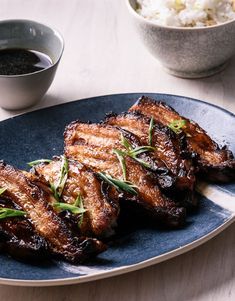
x=15, y=61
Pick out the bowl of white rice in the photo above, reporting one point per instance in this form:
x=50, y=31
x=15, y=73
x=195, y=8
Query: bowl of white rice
x=190, y=38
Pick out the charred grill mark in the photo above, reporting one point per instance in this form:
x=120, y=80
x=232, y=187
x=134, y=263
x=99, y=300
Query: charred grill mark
x=107, y=143
x=169, y=150
x=44, y=231
x=97, y=153
x=101, y=213
x=216, y=163
x=18, y=238
x=46, y=222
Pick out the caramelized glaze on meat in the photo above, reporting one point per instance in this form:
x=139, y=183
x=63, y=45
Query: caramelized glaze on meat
x=168, y=148
x=215, y=163
x=35, y=201
x=102, y=209
x=93, y=145
x=18, y=238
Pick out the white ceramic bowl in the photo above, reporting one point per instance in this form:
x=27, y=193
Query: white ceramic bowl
x=187, y=52
x=21, y=91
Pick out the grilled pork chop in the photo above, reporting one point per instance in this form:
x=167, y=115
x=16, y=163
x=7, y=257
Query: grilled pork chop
x=18, y=238
x=94, y=144
x=169, y=150
x=215, y=163
x=35, y=201
x=101, y=208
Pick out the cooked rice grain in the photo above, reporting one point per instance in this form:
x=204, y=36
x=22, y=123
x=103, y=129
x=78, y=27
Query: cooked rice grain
x=187, y=13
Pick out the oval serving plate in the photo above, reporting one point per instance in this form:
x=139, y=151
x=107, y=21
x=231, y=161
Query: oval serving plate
x=39, y=134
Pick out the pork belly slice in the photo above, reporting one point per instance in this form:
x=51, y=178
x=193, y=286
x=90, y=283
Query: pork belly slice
x=169, y=150
x=215, y=163
x=93, y=145
x=18, y=238
x=101, y=206
x=35, y=201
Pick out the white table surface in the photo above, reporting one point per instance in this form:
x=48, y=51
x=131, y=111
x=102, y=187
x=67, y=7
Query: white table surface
x=103, y=55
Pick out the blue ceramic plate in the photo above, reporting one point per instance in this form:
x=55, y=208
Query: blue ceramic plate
x=39, y=134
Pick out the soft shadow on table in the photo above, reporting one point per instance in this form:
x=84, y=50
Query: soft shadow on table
x=199, y=272
x=228, y=72
x=218, y=89
x=194, y=274
x=47, y=101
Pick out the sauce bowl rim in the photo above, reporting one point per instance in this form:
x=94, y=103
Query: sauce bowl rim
x=56, y=33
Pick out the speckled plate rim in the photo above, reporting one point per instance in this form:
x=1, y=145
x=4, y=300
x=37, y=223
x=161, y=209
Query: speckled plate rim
x=142, y=264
